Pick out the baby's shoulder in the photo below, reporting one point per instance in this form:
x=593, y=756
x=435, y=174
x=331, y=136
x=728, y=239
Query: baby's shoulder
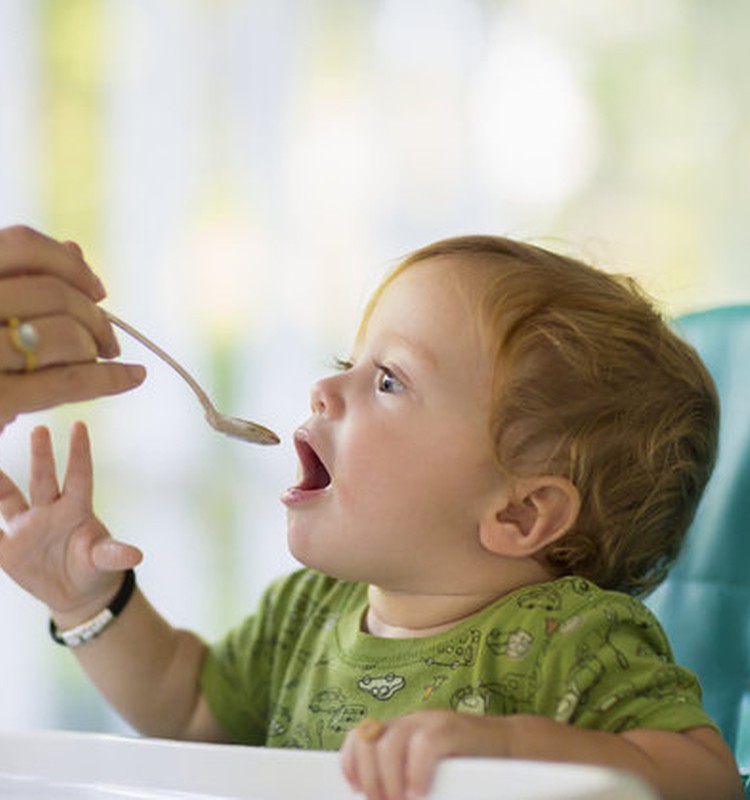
x=572, y=607
x=572, y=593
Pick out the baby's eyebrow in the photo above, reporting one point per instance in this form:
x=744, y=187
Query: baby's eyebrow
x=417, y=349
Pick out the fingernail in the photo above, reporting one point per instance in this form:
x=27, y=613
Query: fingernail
x=137, y=372
x=74, y=247
x=101, y=292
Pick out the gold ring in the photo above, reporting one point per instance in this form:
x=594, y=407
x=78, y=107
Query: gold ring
x=370, y=730
x=24, y=337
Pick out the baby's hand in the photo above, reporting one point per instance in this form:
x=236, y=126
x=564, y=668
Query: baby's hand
x=54, y=546
x=396, y=760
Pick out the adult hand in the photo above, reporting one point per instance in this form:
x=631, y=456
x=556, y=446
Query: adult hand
x=48, y=284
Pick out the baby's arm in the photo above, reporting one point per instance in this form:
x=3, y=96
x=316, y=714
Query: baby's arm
x=57, y=549
x=400, y=761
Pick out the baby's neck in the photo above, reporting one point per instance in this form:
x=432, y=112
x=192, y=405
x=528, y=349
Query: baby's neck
x=403, y=616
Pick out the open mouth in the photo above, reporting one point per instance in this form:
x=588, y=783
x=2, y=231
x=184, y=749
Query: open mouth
x=315, y=476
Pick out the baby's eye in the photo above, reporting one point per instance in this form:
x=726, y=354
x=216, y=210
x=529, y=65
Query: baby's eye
x=388, y=383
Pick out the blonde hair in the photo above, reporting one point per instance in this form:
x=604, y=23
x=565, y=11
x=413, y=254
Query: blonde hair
x=590, y=383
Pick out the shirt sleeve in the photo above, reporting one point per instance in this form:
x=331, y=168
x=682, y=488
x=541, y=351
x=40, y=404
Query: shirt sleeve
x=234, y=680
x=243, y=673
x=609, y=667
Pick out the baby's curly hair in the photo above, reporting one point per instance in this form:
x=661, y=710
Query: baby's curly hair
x=592, y=384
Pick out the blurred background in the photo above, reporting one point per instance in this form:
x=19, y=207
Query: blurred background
x=242, y=172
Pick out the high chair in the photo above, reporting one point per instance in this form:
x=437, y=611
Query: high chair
x=704, y=604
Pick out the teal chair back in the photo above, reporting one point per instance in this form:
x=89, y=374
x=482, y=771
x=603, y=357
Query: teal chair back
x=704, y=604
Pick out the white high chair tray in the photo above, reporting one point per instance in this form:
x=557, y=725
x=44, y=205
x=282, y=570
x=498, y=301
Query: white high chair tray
x=58, y=765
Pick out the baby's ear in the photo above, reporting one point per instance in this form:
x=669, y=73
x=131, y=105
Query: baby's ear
x=538, y=512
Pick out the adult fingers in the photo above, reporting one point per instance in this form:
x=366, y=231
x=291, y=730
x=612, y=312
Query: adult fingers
x=74, y=247
x=50, y=387
x=43, y=486
x=69, y=327
x=25, y=251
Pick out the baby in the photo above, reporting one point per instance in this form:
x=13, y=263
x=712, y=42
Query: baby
x=511, y=454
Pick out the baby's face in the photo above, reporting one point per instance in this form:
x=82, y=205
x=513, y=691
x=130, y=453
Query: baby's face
x=396, y=459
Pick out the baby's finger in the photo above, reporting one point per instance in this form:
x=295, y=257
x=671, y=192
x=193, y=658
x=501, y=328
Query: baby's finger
x=422, y=759
x=109, y=555
x=392, y=751
x=441, y=734
x=12, y=501
x=43, y=486
x=79, y=475
x=367, y=769
x=348, y=762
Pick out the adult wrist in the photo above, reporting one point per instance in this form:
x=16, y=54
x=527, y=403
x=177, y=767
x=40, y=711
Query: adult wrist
x=89, y=629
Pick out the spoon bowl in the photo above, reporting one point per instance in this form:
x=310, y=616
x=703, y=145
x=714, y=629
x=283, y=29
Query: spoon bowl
x=231, y=426
x=241, y=428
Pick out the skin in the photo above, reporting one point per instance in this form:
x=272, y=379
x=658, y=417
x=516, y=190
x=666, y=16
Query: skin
x=476, y=534
x=49, y=283
x=415, y=394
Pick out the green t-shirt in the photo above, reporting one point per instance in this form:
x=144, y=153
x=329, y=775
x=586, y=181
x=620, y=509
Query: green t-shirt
x=301, y=673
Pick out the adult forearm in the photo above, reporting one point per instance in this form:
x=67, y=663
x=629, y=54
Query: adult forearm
x=146, y=669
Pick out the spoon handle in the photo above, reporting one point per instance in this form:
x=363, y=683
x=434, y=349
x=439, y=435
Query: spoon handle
x=154, y=348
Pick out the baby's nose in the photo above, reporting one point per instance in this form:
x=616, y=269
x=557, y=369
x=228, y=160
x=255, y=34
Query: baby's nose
x=326, y=398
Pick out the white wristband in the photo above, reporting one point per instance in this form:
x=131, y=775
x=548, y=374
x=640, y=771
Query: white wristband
x=91, y=628
x=86, y=631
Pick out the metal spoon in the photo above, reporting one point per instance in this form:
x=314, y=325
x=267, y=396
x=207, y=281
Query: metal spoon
x=232, y=426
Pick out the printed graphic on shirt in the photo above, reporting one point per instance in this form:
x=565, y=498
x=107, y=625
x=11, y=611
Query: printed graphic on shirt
x=514, y=645
x=545, y=598
x=564, y=649
x=383, y=687
x=332, y=714
x=461, y=652
x=584, y=674
x=342, y=717
x=432, y=687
